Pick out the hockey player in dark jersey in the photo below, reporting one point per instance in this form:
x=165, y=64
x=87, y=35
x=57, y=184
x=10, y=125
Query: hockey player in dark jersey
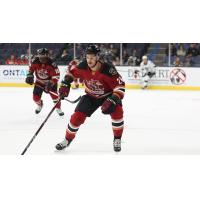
x=104, y=88
x=47, y=76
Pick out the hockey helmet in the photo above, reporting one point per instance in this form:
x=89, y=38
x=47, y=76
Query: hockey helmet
x=92, y=49
x=144, y=57
x=43, y=52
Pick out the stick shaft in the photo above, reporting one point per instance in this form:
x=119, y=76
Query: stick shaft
x=40, y=127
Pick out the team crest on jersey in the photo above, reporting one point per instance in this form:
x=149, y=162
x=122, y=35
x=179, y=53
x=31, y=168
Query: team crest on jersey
x=113, y=71
x=42, y=73
x=95, y=86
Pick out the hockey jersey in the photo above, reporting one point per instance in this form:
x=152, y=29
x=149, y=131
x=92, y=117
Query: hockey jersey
x=149, y=67
x=101, y=83
x=44, y=72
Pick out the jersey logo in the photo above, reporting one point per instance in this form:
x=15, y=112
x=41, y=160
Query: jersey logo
x=95, y=87
x=42, y=74
x=113, y=71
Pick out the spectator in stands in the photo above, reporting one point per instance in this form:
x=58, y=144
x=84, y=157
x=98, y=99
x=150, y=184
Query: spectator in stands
x=181, y=51
x=116, y=62
x=12, y=60
x=51, y=54
x=137, y=61
x=177, y=62
x=187, y=62
x=173, y=50
x=27, y=54
x=125, y=56
x=130, y=61
x=134, y=54
x=192, y=50
x=108, y=57
x=103, y=48
x=113, y=50
x=136, y=58
x=65, y=57
x=23, y=60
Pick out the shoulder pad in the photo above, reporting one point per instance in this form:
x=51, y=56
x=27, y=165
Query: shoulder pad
x=109, y=69
x=35, y=60
x=54, y=64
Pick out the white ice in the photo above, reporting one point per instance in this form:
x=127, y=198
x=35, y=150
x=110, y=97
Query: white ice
x=156, y=122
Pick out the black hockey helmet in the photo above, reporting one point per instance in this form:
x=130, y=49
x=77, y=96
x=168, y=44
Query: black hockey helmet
x=92, y=49
x=43, y=55
x=43, y=52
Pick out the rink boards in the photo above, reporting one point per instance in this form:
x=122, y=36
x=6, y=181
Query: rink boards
x=165, y=78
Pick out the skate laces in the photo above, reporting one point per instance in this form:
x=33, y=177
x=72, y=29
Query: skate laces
x=39, y=108
x=64, y=142
x=59, y=111
x=117, y=142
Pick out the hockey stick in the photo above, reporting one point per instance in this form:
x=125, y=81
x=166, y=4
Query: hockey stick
x=40, y=127
x=74, y=101
x=46, y=121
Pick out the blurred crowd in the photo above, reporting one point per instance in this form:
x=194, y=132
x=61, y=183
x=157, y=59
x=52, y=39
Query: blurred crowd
x=183, y=55
x=129, y=54
x=63, y=53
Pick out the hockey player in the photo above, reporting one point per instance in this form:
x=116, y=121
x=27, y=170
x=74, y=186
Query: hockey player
x=147, y=71
x=77, y=81
x=47, y=76
x=104, y=88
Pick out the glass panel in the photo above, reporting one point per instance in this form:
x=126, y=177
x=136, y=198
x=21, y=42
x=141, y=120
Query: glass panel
x=133, y=52
x=185, y=55
x=62, y=53
x=162, y=54
x=14, y=53
x=110, y=52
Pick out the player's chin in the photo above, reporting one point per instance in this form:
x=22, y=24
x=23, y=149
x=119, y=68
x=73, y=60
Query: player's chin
x=91, y=66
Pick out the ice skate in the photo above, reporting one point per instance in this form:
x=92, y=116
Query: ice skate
x=39, y=108
x=59, y=111
x=62, y=145
x=144, y=87
x=117, y=145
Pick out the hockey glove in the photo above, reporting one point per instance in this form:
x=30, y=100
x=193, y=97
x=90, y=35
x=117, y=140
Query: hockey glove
x=64, y=89
x=29, y=79
x=48, y=86
x=151, y=74
x=109, y=104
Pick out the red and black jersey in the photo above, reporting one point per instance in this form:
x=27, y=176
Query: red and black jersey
x=45, y=72
x=101, y=83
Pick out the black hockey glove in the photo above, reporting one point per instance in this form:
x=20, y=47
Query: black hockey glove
x=29, y=79
x=109, y=104
x=151, y=74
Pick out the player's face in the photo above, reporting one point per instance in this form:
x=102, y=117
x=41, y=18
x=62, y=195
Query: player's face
x=145, y=61
x=43, y=58
x=91, y=60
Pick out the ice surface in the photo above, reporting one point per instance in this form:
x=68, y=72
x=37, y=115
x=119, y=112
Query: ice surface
x=156, y=122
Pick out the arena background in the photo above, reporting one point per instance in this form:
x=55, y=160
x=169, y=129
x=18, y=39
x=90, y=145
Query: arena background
x=177, y=64
x=139, y=177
